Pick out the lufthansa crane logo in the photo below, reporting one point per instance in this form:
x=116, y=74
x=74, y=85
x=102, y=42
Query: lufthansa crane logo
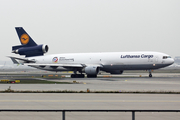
x=24, y=39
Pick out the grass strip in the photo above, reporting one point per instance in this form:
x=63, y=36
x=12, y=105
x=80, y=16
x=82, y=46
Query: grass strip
x=9, y=90
x=37, y=82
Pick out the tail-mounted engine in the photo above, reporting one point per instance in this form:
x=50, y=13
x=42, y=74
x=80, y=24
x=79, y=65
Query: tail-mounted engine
x=30, y=51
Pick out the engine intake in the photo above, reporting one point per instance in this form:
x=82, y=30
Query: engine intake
x=92, y=70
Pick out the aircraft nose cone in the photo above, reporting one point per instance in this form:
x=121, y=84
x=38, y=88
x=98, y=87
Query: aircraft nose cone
x=171, y=61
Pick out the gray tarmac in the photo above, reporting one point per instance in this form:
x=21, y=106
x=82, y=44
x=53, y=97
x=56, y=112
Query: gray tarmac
x=127, y=82
x=88, y=101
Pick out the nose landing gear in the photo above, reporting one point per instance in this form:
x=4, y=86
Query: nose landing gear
x=150, y=75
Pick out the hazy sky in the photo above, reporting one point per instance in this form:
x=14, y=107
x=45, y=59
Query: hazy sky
x=70, y=26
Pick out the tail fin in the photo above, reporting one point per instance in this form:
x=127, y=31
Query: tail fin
x=24, y=38
x=28, y=47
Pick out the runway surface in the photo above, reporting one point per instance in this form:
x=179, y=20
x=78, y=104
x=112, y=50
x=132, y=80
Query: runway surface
x=160, y=82
x=127, y=82
x=88, y=101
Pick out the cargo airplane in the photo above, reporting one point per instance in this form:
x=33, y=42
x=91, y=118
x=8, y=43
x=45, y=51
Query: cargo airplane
x=88, y=63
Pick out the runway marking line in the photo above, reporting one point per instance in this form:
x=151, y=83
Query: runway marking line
x=158, y=101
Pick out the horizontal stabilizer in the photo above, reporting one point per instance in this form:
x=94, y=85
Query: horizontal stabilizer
x=14, y=60
x=22, y=59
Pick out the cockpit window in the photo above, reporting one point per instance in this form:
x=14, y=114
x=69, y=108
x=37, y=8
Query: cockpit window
x=165, y=57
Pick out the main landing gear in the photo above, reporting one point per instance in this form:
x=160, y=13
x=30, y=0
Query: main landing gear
x=82, y=76
x=77, y=76
x=92, y=76
x=150, y=75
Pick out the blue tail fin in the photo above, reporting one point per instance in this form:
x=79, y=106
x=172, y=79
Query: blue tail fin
x=28, y=47
x=24, y=38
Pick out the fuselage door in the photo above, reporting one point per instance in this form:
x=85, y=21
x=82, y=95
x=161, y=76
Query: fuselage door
x=156, y=59
x=150, y=59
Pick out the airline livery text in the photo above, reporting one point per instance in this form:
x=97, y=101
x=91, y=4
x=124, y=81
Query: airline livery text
x=137, y=56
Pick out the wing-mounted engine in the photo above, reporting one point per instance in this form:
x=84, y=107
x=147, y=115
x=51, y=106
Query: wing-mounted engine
x=30, y=51
x=91, y=71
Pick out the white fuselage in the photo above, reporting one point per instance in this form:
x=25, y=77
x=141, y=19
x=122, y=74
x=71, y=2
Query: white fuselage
x=109, y=61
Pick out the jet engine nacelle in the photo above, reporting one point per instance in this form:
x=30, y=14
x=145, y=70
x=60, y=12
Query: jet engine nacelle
x=32, y=51
x=91, y=70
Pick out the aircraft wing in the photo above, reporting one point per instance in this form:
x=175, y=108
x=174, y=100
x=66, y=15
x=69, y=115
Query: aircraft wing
x=56, y=65
x=60, y=65
x=66, y=65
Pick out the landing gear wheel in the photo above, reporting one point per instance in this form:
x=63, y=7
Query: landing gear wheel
x=150, y=75
x=73, y=76
x=81, y=76
x=77, y=76
x=92, y=76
